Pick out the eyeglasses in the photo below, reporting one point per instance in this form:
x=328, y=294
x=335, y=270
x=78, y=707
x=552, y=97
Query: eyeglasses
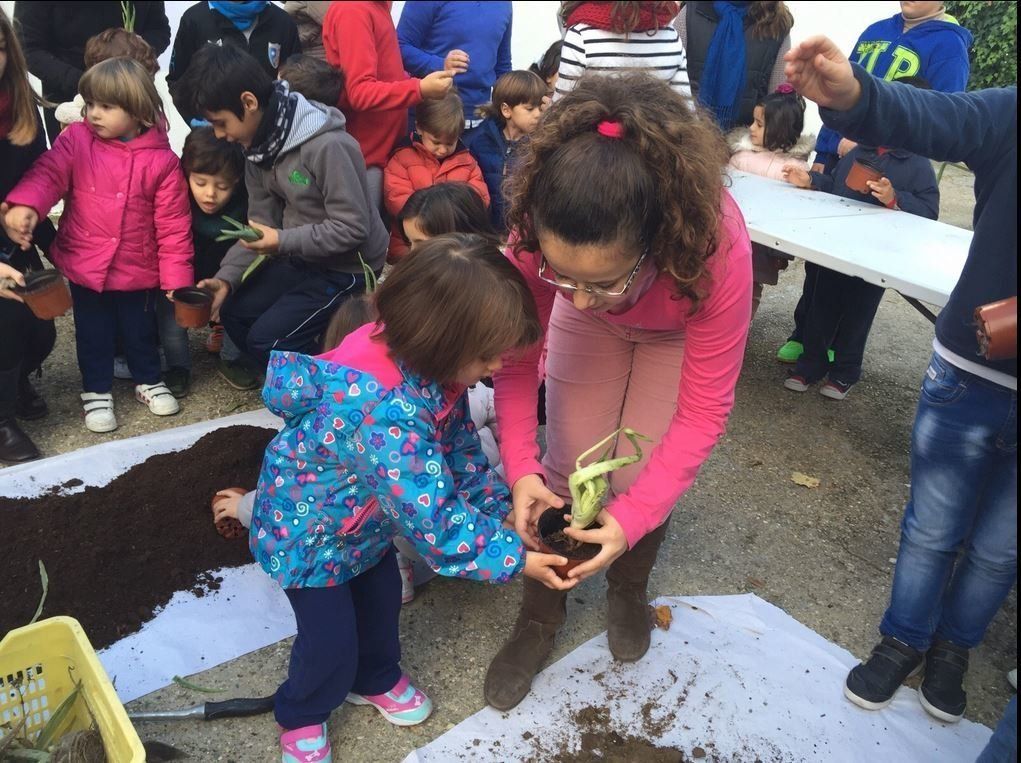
x=568, y=286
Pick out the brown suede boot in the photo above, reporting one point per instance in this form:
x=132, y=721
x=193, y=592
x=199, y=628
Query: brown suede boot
x=510, y=674
x=627, y=610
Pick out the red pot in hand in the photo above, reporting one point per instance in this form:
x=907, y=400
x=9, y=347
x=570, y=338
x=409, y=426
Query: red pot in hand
x=550, y=523
x=861, y=173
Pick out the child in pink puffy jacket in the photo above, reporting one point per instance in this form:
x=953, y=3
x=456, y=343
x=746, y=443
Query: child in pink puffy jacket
x=772, y=140
x=125, y=233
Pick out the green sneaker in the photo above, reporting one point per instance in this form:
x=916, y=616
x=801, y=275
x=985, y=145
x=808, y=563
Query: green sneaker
x=178, y=381
x=792, y=350
x=237, y=374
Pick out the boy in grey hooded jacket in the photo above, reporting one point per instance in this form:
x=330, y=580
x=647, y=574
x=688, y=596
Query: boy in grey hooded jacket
x=308, y=198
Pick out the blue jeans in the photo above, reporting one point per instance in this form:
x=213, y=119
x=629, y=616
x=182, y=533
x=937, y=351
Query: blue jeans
x=963, y=499
x=173, y=337
x=1002, y=747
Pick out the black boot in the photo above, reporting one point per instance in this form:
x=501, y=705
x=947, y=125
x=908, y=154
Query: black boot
x=15, y=445
x=31, y=405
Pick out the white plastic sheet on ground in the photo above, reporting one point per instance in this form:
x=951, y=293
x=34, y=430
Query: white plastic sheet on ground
x=190, y=633
x=735, y=676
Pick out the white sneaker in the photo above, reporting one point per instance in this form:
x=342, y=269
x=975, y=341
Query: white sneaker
x=99, y=411
x=120, y=368
x=160, y=400
x=1012, y=678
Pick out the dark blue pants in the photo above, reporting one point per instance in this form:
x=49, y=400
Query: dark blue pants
x=1002, y=747
x=348, y=641
x=807, y=288
x=99, y=319
x=285, y=306
x=840, y=317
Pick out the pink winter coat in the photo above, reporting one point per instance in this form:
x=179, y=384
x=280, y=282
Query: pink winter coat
x=768, y=164
x=126, y=224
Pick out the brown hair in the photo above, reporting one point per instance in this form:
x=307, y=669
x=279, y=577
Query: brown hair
x=446, y=208
x=120, y=43
x=455, y=300
x=514, y=88
x=443, y=117
x=769, y=20
x=353, y=313
x=206, y=154
x=123, y=82
x=313, y=78
x=24, y=116
x=624, y=15
x=658, y=186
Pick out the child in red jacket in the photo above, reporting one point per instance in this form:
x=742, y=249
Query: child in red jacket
x=431, y=155
x=360, y=39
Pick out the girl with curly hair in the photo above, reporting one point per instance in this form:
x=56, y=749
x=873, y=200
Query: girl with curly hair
x=640, y=265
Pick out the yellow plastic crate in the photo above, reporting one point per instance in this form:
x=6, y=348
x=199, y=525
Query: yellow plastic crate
x=39, y=666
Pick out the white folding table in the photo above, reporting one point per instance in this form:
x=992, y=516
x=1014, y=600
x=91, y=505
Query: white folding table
x=919, y=258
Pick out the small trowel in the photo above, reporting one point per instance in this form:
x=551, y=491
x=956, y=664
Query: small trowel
x=240, y=707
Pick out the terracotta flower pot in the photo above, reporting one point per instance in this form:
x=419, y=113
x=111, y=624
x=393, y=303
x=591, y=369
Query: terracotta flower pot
x=228, y=527
x=861, y=173
x=552, y=522
x=192, y=307
x=996, y=329
x=46, y=294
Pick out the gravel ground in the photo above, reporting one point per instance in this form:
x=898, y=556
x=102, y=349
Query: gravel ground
x=825, y=555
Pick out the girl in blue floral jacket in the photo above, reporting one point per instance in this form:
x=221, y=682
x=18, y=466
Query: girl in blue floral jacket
x=378, y=441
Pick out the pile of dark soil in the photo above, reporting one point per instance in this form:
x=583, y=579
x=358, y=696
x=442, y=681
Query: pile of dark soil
x=599, y=742
x=115, y=553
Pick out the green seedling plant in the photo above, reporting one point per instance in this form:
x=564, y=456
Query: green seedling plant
x=589, y=484
x=128, y=16
x=238, y=231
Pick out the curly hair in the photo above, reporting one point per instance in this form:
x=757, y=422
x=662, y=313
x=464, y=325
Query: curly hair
x=769, y=20
x=658, y=186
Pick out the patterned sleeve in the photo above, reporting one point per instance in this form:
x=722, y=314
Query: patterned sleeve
x=474, y=477
x=572, y=62
x=405, y=462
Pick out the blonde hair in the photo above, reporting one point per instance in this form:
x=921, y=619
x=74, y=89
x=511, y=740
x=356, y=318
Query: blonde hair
x=24, y=117
x=123, y=82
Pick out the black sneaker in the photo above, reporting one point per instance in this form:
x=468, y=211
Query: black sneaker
x=30, y=405
x=872, y=684
x=178, y=381
x=238, y=374
x=942, y=693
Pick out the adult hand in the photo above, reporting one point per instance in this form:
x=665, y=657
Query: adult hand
x=456, y=61
x=532, y=498
x=8, y=275
x=845, y=146
x=19, y=222
x=220, y=290
x=821, y=72
x=268, y=244
x=796, y=174
x=540, y=566
x=882, y=189
x=436, y=85
x=610, y=536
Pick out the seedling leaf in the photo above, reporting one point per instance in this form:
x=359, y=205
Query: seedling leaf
x=195, y=687
x=588, y=484
x=45, y=580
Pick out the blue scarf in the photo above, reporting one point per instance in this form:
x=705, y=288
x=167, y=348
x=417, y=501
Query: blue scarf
x=724, y=73
x=241, y=15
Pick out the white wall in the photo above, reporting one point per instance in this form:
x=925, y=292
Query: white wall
x=535, y=27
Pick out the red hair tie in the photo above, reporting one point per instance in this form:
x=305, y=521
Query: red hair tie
x=609, y=128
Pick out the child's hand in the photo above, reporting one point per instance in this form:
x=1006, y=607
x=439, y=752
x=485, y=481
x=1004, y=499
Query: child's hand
x=19, y=222
x=796, y=174
x=268, y=244
x=539, y=566
x=845, y=146
x=9, y=276
x=226, y=503
x=456, y=61
x=882, y=189
x=220, y=290
x=531, y=498
x=610, y=536
x=436, y=85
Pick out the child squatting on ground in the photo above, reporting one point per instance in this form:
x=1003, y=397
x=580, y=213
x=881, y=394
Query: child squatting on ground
x=125, y=232
x=378, y=443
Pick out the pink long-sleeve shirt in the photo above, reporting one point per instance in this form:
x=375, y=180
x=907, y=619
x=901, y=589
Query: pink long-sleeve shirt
x=714, y=344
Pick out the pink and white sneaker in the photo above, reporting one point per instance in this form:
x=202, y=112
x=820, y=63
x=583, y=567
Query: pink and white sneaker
x=407, y=570
x=403, y=705
x=309, y=744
